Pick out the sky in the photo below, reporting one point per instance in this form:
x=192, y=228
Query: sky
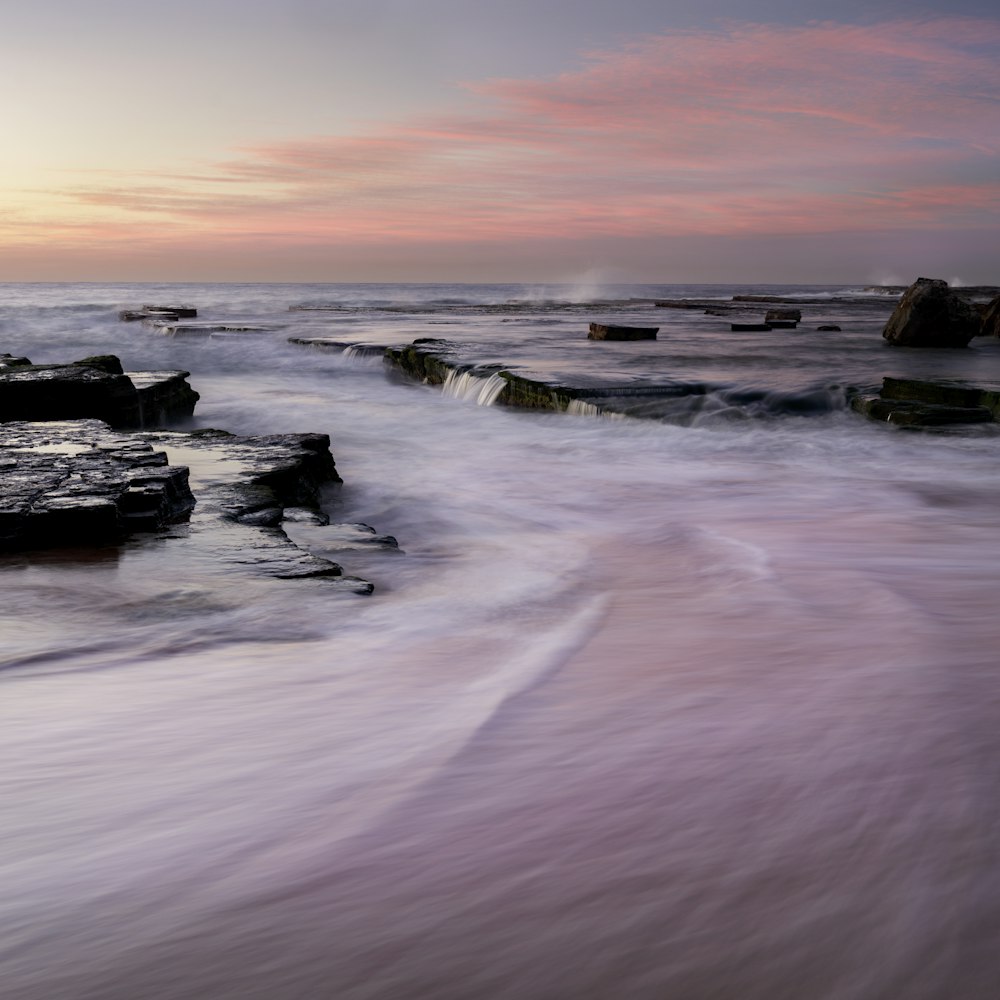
x=438, y=140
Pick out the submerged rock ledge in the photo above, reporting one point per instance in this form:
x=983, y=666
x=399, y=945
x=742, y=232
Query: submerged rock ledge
x=908, y=402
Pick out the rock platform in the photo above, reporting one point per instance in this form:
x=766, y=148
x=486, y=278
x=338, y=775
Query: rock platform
x=93, y=388
x=917, y=403
x=80, y=483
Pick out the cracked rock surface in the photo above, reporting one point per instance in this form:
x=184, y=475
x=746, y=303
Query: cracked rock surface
x=81, y=483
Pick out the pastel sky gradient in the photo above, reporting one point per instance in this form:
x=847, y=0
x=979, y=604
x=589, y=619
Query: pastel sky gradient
x=393, y=141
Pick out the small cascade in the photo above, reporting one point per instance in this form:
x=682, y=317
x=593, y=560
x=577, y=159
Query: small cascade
x=475, y=388
x=364, y=352
x=581, y=408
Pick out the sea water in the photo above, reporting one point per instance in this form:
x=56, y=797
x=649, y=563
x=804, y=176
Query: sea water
x=702, y=708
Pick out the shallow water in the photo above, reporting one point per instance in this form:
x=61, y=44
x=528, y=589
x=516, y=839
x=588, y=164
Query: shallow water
x=641, y=710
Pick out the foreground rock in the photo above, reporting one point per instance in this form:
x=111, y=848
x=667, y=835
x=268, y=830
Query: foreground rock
x=605, y=331
x=916, y=403
x=80, y=483
x=94, y=387
x=930, y=314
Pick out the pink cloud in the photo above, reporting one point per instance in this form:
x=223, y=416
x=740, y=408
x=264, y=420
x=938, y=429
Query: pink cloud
x=824, y=128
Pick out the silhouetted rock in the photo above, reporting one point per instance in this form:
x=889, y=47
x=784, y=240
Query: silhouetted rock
x=749, y=327
x=97, y=388
x=829, y=328
x=930, y=314
x=157, y=312
x=604, y=331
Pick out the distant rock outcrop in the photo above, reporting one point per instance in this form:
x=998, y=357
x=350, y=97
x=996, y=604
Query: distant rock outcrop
x=930, y=314
x=776, y=316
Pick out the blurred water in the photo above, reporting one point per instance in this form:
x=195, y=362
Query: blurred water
x=644, y=710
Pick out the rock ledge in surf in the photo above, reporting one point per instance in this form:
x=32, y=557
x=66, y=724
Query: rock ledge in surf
x=608, y=331
x=916, y=403
x=94, y=387
x=79, y=483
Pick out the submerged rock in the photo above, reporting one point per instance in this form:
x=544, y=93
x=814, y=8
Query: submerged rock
x=606, y=331
x=930, y=314
x=97, y=388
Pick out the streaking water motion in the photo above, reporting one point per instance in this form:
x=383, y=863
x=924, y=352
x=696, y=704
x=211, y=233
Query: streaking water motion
x=643, y=711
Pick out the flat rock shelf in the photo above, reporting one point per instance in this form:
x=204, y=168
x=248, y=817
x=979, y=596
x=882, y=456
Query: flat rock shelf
x=80, y=483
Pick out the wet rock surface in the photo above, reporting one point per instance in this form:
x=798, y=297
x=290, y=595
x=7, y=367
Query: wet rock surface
x=930, y=314
x=80, y=483
x=77, y=483
x=94, y=387
x=917, y=403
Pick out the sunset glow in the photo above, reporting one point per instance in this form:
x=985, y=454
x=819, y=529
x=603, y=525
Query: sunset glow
x=822, y=130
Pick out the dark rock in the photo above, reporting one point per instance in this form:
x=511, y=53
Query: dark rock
x=774, y=316
x=346, y=346
x=990, y=319
x=603, y=331
x=426, y=359
x=916, y=403
x=179, y=312
x=75, y=483
x=157, y=313
x=705, y=305
x=829, y=328
x=9, y=361
x=749, y=327
x=930, y=314
x=909, y=413
x=782, y=324
x=94, y=388
x=103, y=362
x=79, y=483
x=173, y=328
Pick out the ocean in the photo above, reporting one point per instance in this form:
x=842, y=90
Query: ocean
x=700, y=704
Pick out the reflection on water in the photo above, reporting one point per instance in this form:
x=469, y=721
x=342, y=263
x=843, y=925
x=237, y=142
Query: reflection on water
x=643, y=711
